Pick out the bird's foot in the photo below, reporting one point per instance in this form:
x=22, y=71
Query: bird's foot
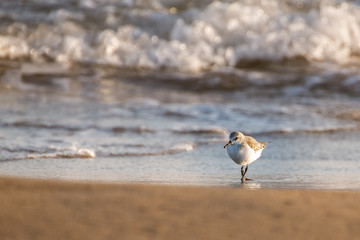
x=248, y=179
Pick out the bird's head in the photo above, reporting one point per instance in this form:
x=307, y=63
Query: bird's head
x=235, y=137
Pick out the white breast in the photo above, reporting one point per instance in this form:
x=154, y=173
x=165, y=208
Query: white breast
x=243, y=155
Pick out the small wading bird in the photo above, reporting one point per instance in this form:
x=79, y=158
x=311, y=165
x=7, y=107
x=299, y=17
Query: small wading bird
x=244, y=150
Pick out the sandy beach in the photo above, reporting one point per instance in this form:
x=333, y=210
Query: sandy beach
x=44, y=209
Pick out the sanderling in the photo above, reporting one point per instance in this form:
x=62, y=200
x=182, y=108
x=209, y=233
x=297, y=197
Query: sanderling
x=244, y=150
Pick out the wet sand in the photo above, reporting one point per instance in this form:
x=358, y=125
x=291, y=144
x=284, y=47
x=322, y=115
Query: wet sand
x=43, y=209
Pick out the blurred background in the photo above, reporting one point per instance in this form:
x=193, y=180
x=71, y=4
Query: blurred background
x=148, y=91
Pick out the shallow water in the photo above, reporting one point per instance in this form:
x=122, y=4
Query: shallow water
x=151, y=93
x=174, y=141
x=282, y=166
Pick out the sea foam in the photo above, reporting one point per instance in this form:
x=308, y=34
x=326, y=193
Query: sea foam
x=68, y=153
x=170, y=35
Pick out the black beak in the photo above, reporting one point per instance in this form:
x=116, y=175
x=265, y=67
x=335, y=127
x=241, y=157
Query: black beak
x=229, y=143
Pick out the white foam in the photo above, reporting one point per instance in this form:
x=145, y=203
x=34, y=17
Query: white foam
x=187, y=147
x=68, y=153
x=13, y=47
x=220, y=34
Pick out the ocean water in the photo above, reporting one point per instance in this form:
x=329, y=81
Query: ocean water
x=148, y=91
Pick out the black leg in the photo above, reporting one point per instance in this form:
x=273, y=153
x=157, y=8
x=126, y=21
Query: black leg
x=247, y=166
x=242, y=174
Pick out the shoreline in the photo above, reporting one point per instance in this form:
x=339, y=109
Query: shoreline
x=51, y=209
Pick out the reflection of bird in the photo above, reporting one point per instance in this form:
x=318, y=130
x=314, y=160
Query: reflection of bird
x=244, y=150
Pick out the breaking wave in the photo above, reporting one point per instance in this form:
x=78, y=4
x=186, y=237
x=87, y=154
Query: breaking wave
x=180, y=35
x=67, y=153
